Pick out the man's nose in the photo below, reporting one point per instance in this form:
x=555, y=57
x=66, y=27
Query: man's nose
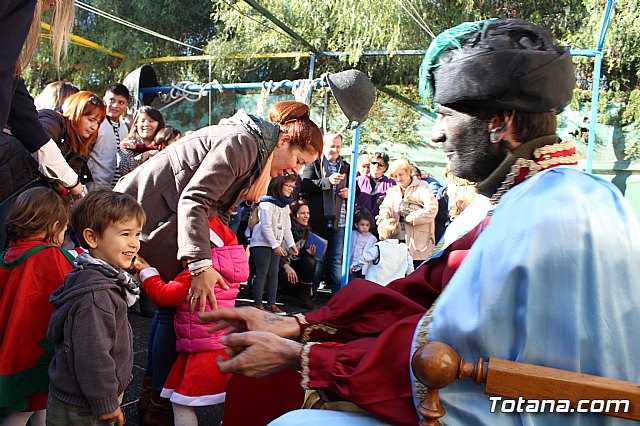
x=437, y=132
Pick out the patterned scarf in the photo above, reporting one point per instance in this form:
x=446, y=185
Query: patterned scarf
x=130, y=287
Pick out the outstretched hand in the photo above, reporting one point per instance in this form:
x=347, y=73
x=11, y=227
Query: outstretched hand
x=202, y=288
x=259, y=354
x=251, y=319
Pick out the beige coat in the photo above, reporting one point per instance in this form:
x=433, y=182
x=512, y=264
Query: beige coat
x=201, y=175
x=419, y=225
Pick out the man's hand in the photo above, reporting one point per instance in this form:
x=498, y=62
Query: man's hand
x=292, y=277
x=117, y=416
x=259, y=354
x=344, y=192
x=251, y=319
x=202, y=286
x=336, y=178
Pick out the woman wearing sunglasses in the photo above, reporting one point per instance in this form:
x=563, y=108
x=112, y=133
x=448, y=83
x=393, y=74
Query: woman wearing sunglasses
x=75, y=129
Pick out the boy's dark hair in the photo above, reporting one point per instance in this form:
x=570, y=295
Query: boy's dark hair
x=37, y=210
x=102, y=208
x=119, y=89
x=362, y=213
x=276, y=184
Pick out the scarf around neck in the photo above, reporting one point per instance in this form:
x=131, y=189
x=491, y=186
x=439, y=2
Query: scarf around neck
x=130, y=287
x=278, y=201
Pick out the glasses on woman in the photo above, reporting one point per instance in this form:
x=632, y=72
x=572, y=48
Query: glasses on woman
x=289, y=185
x=378, y=163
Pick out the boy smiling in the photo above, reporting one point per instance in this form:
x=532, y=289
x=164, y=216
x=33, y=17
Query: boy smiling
x=93, y=344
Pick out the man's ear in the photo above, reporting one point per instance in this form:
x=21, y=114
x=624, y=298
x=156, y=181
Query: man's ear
x=91, y=237
x=497, y=124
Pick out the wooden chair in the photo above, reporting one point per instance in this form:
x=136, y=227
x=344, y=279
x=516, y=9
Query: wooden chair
x=437, y=365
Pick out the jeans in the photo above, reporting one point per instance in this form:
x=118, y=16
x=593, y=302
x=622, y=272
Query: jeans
x=162, y=346
x=267, y=265
x=330, y=267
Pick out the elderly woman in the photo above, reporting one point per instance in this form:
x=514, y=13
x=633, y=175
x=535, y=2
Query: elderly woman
x=412, y=204
x=207, y=174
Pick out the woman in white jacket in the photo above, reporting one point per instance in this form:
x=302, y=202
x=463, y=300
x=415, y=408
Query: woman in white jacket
x=273, y=228
x=412, y=204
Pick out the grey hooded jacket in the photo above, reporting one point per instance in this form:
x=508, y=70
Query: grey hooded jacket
x=90, y=330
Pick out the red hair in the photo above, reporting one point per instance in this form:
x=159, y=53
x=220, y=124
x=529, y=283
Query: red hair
x=81, y=104
x=294, y=121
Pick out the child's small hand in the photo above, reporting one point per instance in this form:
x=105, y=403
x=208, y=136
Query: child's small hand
x=139, y=264
x=116, y=417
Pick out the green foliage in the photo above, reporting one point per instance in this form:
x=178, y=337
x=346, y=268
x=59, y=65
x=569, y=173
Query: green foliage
x=631, y=113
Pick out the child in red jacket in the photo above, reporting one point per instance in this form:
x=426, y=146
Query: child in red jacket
x=195, y=380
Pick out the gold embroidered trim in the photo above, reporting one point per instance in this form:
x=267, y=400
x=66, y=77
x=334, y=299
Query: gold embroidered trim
x=511, y=176
x=302, y=320
x=422, y=337
x=322, y=327
x=554, y=161
x=553, y=148
x=305, y=364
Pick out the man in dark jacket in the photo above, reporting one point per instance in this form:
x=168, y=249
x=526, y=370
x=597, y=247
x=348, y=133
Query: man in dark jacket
x=325, y=185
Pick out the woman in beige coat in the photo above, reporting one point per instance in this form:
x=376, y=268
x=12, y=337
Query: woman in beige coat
x=412, y=204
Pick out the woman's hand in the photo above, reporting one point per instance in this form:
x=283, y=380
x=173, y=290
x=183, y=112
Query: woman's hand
x=312, y=250
x=127, y=145
x=259, y=354
x=293, y=250
x=202, y=286
x=249, y=318
x=292, y=277
x=279, y=251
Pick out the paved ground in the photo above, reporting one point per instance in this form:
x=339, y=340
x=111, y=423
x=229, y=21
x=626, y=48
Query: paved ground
x=210, y=416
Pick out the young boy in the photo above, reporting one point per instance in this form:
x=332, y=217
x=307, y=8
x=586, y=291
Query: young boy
x=388, y=259
x=89, y=328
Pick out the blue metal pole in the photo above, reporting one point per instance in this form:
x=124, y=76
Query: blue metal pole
x=312, y=66
x=595, y=85
x=595, y=95
x=351, y=200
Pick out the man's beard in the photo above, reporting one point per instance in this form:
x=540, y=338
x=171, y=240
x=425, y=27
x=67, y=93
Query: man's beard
x=476, y=159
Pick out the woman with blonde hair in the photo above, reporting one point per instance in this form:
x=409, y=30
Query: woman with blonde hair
x=75, y=129
x=54, y=94
x=412, y=204
x=19, y=23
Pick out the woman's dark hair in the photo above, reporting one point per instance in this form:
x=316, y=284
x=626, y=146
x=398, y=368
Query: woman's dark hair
x=36, y=210
x=416, y=171
x=294, y=121
x=382, y=155
x=151, y=112
x=295, y=206
x=165, y=135
x=276, y=184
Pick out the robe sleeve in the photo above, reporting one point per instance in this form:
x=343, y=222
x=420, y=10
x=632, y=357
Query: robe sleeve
x=371, y=372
